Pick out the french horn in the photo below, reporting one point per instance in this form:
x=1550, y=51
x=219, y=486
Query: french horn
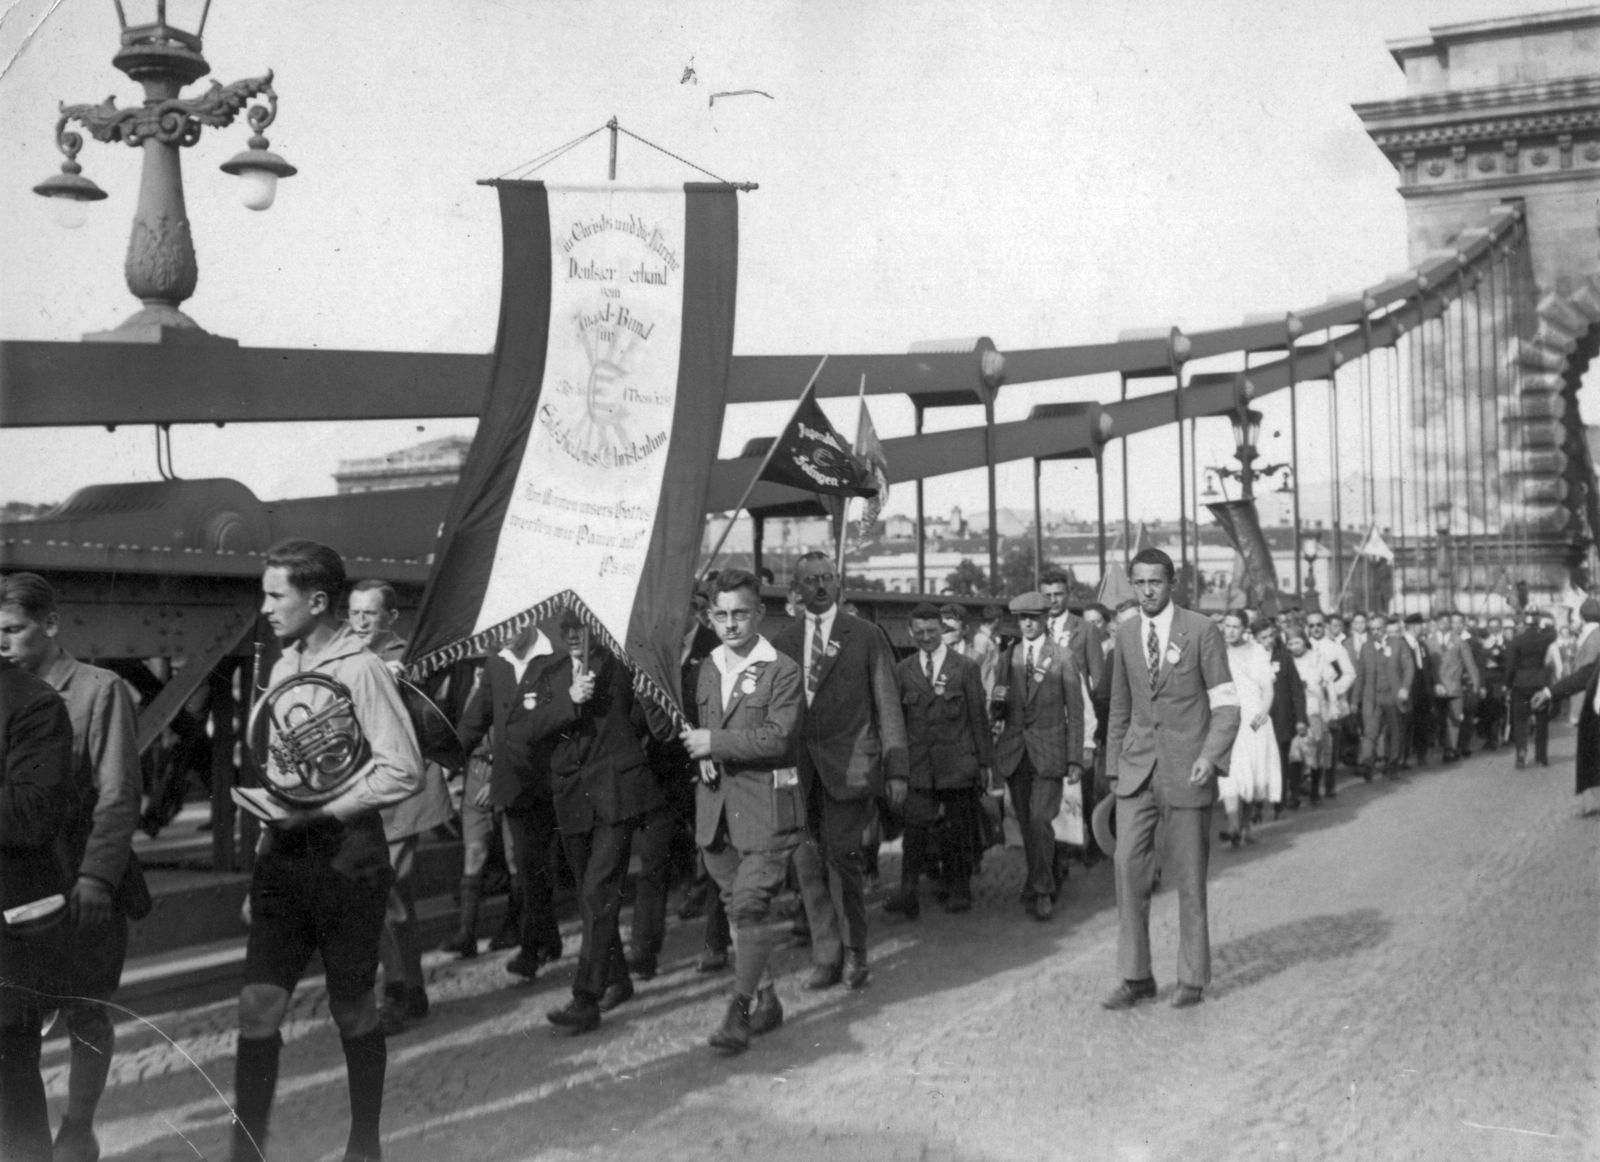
x=305, y=741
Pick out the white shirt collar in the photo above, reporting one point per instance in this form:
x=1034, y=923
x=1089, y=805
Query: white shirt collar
x=938, y=656
x=541, y=647
x=730, y=665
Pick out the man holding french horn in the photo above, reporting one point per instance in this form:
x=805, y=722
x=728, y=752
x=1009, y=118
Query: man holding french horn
x=339, y=746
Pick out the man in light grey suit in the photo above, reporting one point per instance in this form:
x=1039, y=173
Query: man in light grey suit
x=1174, y=714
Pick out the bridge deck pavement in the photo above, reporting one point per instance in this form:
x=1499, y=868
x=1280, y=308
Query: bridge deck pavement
x=1409, y=973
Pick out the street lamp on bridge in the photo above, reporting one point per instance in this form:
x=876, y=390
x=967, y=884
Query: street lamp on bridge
x=161, y=269
x=1246, y=431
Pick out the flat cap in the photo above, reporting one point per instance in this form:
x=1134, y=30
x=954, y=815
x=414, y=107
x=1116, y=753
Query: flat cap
x=1035, y=603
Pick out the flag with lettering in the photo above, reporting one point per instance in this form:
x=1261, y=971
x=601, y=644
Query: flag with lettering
x=585, y=487
x=812, y=455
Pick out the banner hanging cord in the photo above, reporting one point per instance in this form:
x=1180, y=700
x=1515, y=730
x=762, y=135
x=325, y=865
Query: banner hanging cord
x=517, y=172
x=550, y=155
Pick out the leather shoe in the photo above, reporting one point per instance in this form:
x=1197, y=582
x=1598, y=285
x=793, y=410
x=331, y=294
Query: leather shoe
x=959, y=901
x=414, y=1002
x=1186, y=996
x=714, y=960
x=524, y=964
x=1129, y=993
x=733, y=1035
x=616, y=994
x=550, y=952
x=577, y=1016
x=904, y=904
x=824, y=976
x=1043, y=907
x=507, y=937
x=855, y=968
x=767, y=1013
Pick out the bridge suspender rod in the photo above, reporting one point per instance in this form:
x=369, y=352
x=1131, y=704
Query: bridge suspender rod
x=1335, y=477
x=1289, y=329
x=1487, y=466
x=1466, y=432
x=1447, y=496
x=1495, y=273
x=1127, y=532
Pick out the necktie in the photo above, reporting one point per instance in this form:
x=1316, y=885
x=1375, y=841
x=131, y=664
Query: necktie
x=927, y=665
x=1152, y=649
x=814, y=664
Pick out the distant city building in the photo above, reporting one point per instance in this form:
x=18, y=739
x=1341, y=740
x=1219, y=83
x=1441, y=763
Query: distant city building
x=426, y=465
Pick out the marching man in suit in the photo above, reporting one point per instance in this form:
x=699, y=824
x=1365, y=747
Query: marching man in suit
x=749, y=811
x=518, y=701
x=948, y=737
x=1041, y=742
x=1382, y=690
x=855, y=749
x=1174, y=715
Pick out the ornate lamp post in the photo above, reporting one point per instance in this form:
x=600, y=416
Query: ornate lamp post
x=161, y=269
x=1312, y=550
x=1246, y=431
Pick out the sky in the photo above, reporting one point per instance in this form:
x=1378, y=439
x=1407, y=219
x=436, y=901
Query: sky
x=1041, y=173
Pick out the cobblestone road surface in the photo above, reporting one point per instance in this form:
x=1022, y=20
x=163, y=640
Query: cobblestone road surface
x=1410, y=973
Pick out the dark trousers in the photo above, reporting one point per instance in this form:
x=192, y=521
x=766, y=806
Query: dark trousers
x=533, y=830
x=959, y=841
x=599, y=860
x=654, y=844
x=1521, y=712
x=832, y=875
x=1036, y=800
x=1492, y=716
x=1383, y=738
x=1188, y=838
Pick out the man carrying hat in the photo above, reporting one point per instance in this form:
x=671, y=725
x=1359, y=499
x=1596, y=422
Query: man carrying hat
x=1041, y=741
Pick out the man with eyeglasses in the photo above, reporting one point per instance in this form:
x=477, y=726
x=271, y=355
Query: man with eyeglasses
x=855, y=750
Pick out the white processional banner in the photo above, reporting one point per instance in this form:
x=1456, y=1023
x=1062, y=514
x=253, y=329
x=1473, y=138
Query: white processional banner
x=584, y=505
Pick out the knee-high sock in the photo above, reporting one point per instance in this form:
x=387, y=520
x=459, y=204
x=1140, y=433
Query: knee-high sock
x=366, y=1059
x=752, y=949
x=255, y=1080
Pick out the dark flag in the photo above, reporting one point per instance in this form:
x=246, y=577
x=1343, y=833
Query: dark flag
x=1255, y=572
x=811, y=455
x=586, y=484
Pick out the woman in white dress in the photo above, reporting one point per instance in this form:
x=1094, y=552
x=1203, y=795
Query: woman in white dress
x=1255, y=773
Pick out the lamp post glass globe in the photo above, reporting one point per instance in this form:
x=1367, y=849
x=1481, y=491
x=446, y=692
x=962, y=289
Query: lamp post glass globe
x=69, y=213
x=258, y=188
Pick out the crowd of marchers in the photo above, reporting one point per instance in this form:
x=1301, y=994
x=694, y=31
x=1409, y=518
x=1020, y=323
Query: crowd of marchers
x=804, y=743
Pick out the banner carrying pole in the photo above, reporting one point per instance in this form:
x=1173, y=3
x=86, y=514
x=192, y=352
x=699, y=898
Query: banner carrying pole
x=844, y=501
x=756, y=479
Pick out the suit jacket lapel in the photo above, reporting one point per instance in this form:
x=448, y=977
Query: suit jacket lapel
x=1041, y=653
x=738, y=691
x=1140, y=664
x=1177, y=639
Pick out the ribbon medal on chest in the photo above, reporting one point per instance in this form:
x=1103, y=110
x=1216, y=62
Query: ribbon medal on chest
x=938, y=685
x=748, y=680
x=833, y=649
x=1173, y=653
x=530, y=700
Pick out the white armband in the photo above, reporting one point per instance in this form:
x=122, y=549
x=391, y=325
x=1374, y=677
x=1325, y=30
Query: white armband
x=1226, y=694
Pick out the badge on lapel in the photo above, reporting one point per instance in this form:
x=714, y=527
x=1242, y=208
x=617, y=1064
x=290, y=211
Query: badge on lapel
x=530, y=700
x=748, y=680
x=1173, y=653
x=938, y=685
x=833, y=649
